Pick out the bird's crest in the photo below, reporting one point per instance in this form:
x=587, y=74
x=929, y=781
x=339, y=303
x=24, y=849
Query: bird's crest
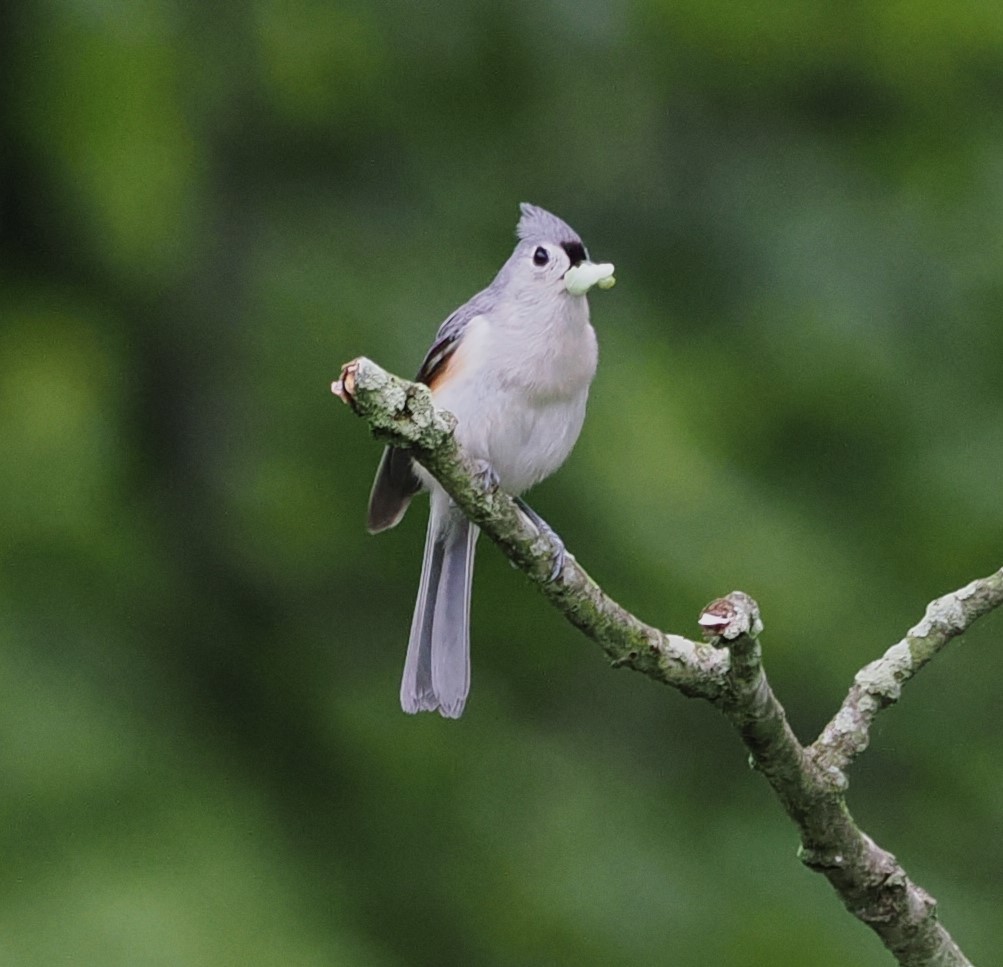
x=537, y=223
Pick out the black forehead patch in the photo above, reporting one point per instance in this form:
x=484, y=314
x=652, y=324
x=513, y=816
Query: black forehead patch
x=576, y=252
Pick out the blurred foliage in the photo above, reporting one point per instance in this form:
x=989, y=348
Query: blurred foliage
x=206, y=208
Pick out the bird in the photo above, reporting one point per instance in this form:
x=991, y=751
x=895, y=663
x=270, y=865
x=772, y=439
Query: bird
x=514, y=365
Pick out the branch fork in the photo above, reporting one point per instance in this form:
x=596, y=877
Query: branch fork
x=726, y=669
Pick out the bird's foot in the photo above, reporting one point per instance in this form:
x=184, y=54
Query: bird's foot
x=557, y=545
x=486, y=476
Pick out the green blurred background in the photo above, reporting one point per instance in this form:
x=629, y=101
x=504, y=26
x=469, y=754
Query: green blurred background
x=208, y=207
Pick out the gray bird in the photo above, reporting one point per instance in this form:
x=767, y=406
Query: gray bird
x=514, y=366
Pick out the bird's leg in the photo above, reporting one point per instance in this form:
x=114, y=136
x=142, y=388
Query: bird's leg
x=560, y=552
x=487, y=477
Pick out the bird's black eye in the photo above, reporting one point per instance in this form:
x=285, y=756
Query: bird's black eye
x=541, y=256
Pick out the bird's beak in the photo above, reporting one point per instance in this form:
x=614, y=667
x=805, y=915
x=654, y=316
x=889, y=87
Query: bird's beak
x=581, y=277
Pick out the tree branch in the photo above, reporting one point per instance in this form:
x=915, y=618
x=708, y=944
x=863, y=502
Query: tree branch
x=879, y=684
x=809, y=782
x=402, y=413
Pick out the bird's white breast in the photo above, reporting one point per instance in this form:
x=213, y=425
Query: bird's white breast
x=518, y=386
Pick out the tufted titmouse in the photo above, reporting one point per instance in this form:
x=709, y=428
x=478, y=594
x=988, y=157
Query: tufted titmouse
x=514, y=366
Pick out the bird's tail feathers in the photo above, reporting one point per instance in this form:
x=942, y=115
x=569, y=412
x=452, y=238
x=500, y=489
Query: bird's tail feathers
x=437, y=667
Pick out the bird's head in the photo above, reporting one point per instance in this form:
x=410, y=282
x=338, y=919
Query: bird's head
x=551, y=259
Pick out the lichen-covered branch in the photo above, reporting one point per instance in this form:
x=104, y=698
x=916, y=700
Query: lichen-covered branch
x=879, y=684
x=750, y=704
x=402, y=413
x=810, y=782
x=869, y=880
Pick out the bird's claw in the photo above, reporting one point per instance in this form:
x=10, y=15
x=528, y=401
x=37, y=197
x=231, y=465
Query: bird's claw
x=557, y=547
x=560, y=555
x=486, y=476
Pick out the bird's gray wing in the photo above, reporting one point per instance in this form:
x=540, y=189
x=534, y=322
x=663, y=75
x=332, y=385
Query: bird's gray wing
x=448, y=337
x=395, y=484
